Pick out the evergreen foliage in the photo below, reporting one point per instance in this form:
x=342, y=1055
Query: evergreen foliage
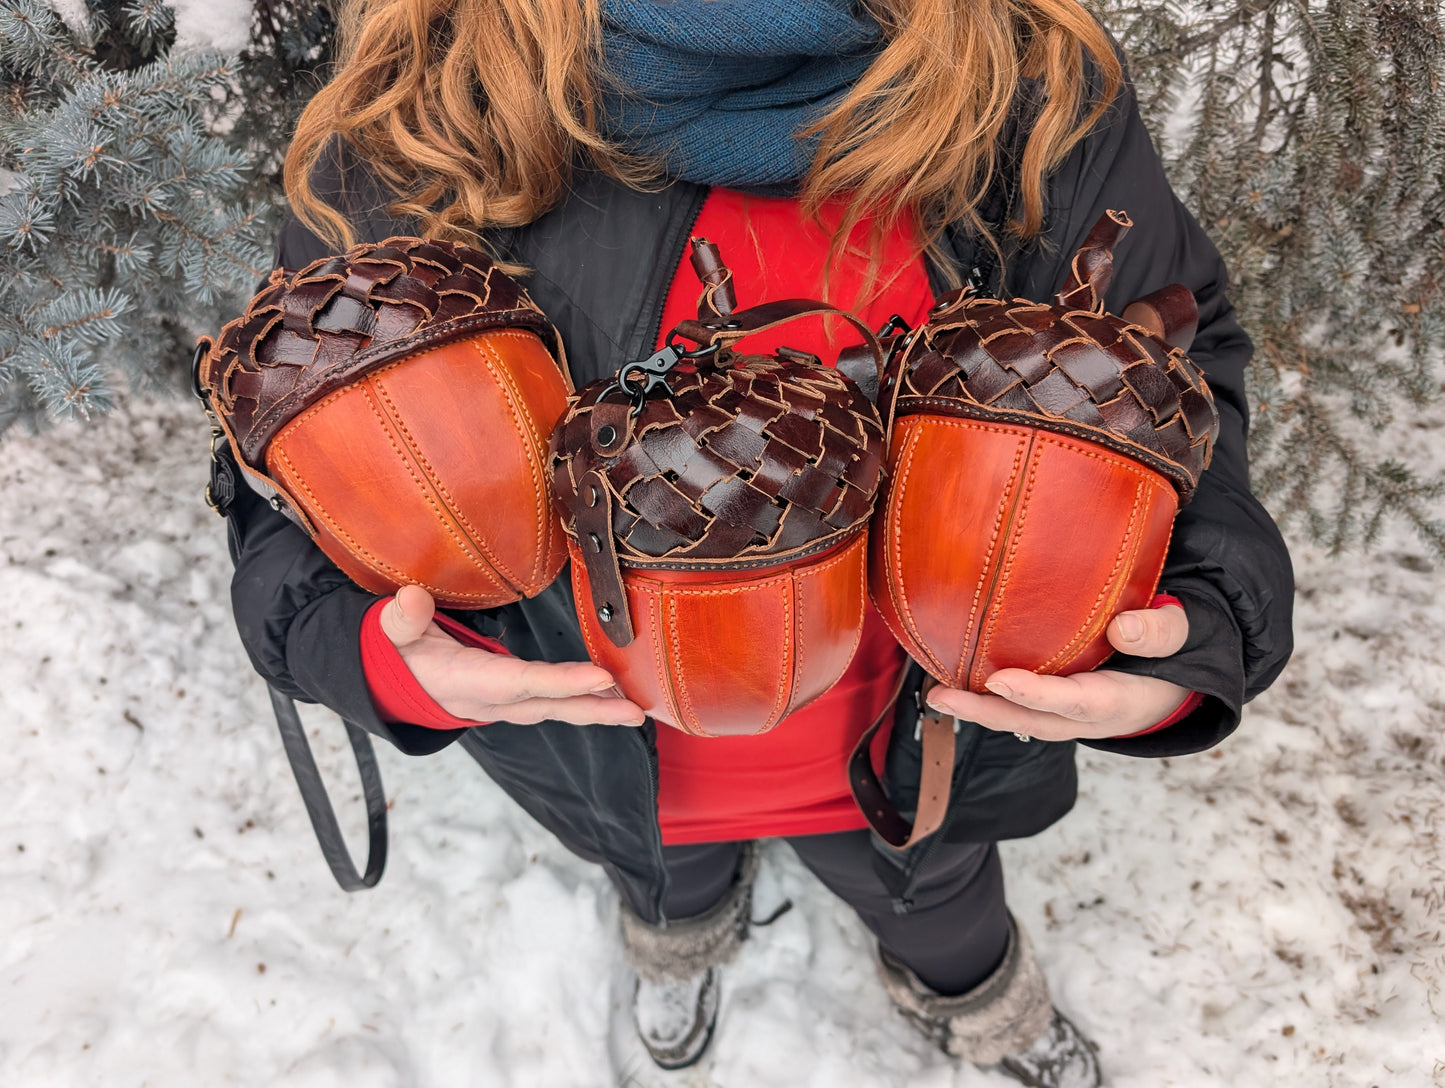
x=126, y=225
x=292, y=42
x=1309, y=139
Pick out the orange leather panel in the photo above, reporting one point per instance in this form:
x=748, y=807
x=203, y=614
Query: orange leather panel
x=432, y=471
x=733, y=652
x=1013, y=547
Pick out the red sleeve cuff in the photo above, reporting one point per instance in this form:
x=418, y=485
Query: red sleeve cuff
x=394, y=691
x=1191, y=701
x=1183, y=710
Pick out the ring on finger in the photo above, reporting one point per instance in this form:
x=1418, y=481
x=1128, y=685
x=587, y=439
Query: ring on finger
x=1023, y=737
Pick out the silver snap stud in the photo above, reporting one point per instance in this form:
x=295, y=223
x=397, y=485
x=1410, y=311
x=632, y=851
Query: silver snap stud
x=606, y=435
x=605, y=613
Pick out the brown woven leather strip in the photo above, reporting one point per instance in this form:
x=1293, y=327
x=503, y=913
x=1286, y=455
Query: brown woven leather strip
x=1170, y=314
x=717, y=299
x=1092, y=268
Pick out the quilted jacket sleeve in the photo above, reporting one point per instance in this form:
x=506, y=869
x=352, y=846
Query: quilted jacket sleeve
x=1227, y=561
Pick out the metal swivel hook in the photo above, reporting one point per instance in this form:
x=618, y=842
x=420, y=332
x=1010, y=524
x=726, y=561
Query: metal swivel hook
x=638, y=380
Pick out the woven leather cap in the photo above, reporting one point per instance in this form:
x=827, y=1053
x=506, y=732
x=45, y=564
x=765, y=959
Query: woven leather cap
x=752, y=459
x=1122, y=381
x=310, y=332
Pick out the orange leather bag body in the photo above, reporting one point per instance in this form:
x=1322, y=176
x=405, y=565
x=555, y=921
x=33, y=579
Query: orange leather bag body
x=397, y=400
x=716, y=511
x=1037, y=456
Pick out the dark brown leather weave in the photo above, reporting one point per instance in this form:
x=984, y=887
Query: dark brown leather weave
x=752, y=460
x=312, y=332
x=1074, y=370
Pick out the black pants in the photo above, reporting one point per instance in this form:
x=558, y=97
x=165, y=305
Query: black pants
x=954, y=936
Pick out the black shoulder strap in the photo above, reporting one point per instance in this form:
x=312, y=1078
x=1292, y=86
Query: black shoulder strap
x=318, y=804
x=221, y=494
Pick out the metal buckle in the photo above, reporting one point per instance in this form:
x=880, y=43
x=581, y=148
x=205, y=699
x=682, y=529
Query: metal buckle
x=221, y=488
x=923, y=713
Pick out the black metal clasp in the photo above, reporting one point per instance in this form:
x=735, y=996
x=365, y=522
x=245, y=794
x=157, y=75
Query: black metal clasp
x=892, y=325
x=638, y=380
x=198, y=390
x=221, y=489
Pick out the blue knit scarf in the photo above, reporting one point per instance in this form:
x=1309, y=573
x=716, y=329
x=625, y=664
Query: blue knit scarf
x=718, y=89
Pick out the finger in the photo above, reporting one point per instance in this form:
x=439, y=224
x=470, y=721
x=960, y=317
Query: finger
x=993, y=712
x=501, y=680
x=578, y=710
x=1085, y=697
x=1149, y=632
x=407, y=616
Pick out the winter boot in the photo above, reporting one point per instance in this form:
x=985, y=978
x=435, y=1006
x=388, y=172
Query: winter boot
x=1005, y=1023
x=675, y=1002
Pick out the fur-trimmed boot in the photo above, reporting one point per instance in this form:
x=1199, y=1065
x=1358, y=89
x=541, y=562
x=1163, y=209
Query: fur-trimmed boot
x=1006, y=1023
x=678, y=967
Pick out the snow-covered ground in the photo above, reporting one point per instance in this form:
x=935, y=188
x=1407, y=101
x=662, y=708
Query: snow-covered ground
x=1269, y=913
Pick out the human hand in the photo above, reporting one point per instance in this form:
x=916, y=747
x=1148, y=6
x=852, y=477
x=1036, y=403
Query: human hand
x=1088, y=704
x=481, y=686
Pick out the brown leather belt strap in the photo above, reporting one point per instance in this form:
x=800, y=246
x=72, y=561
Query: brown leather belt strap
x=725, y=332
x=935, y=782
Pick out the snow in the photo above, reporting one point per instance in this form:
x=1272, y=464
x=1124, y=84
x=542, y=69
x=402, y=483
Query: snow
x=1268, y=913
x=212, y=24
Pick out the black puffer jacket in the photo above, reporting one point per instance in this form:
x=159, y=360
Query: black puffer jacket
x=602, y=263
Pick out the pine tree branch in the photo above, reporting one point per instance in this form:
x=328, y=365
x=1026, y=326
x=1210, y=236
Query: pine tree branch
x=1266, y=76
x=1247, y=10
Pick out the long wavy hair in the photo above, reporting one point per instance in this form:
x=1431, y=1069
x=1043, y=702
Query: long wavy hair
x=474, y=113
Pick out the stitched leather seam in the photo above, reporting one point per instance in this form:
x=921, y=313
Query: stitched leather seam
x=636, y=561
x=369, y=559
x=1018, y=513
x=984, y=591
x=389, y=353
x=1128, y=549
x=787, y=675
x=1176, y=474
x=530, y=441
x=448, y=510
x=893, y=556
x=660, y=608
x=416, y=468
x=800, y=651
x=863, y=610
x=1131, y=543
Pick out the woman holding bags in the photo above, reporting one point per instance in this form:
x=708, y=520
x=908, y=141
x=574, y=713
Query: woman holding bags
x=869, y=154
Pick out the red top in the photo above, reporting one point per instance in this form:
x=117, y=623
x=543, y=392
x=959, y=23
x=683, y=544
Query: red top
x=793, y=779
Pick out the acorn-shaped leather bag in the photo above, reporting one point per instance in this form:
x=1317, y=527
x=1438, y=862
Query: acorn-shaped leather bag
x=397, y=400
x=717, y=505
x=1037, y=456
